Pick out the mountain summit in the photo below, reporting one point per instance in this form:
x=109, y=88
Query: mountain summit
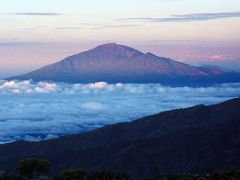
x=117, y=63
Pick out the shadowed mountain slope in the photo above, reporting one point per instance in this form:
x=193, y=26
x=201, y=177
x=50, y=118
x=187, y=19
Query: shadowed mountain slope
x=197, y=139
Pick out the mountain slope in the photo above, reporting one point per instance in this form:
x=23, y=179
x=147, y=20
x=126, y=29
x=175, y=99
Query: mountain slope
x=116, y=63
x=196, y=139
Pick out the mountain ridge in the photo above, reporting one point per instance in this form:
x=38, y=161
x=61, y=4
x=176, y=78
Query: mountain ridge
x=115, y=63
x=199, y=139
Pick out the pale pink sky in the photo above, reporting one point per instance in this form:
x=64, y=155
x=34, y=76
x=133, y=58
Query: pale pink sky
x=17, y=59
x=37, y=33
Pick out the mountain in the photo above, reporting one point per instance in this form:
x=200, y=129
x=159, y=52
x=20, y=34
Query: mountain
x=197, y=139
x=225, y=65
x=115, y=63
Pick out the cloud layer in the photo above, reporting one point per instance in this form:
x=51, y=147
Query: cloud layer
x=20, y=43
x=37, y=111
x=187, y=17
x=34, y=14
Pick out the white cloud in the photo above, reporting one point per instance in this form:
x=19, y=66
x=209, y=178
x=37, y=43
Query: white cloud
x=98, y=85
x=217, y=57
x=42, y=110
x=93, y=106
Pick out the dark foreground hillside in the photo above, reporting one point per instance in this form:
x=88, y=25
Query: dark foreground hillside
x=199, y=139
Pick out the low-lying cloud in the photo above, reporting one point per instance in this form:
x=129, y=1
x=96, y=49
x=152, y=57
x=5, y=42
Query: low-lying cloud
x=42, y=110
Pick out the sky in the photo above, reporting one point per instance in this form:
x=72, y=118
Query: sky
x=40, y=32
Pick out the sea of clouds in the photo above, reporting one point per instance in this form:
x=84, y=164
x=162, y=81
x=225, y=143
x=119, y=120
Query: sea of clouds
x=42, y=110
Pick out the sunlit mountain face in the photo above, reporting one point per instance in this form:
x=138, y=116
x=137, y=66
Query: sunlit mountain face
x=36, y=111
x=115, y=63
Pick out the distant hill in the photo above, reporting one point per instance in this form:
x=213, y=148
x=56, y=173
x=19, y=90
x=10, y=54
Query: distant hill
x=197, y=139
x=116, y=63
x=225, y=65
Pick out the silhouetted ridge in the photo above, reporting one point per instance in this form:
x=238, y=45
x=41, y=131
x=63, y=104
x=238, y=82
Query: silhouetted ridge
x=198, y=139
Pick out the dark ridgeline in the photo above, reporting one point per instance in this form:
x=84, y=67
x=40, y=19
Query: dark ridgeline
x=115, y=63
x=197, y=139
